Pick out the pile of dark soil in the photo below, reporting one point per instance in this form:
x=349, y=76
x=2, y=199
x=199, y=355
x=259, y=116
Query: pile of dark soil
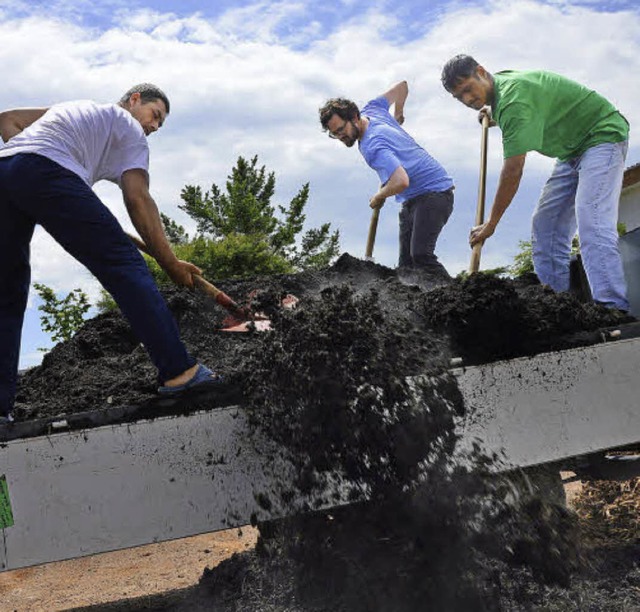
x=480, y=319
x=329, y=383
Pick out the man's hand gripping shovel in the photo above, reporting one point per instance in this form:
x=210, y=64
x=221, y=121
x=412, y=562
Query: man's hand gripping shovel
x=240, y=318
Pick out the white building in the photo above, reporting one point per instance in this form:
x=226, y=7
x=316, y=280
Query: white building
x=629, y=214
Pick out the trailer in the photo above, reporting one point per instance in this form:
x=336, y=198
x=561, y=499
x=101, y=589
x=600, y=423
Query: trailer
x=119, y=478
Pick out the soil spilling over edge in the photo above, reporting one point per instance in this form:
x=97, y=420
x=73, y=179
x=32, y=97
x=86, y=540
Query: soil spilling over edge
x=330, y=385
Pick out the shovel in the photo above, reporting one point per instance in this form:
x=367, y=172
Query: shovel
x=371, y=238
x=474, y=265
x=241, y=318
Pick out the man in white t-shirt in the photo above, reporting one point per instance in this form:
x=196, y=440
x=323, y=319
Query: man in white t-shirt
x=51, y=159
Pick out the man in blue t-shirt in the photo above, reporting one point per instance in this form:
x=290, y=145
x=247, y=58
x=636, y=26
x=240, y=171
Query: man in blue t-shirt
x=421, y=185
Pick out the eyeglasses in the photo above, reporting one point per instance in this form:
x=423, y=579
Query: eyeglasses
x=340, y=131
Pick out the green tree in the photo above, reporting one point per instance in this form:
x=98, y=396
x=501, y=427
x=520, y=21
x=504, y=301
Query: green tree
x=500, y=271
x=105, y=302
x=175, y=233
x=523, y=260
x=62, y=317
x=243, y=215
x=234, y=256
x=239, y=232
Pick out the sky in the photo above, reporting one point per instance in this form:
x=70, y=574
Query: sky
x=247, y=78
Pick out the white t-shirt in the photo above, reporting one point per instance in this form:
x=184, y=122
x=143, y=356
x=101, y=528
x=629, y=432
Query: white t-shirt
x=95, y=141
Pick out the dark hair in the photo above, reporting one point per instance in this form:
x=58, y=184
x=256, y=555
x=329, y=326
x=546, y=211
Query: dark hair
x=148, y=93
x=345, y=109
x=457, y=68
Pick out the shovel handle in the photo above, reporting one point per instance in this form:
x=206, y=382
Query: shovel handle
x=221, y=297
x=205, y=286
x=474, y=265
x=139, y=243
x=373, y=227
x=202, y=283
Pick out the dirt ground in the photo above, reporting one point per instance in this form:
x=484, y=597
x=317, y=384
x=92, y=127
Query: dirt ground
x=120, y=575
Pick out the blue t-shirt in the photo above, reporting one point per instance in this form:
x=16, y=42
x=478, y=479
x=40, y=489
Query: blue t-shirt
x=385, y=147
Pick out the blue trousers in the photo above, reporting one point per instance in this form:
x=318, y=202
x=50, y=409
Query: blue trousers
x=583, y=194
x=35, y=190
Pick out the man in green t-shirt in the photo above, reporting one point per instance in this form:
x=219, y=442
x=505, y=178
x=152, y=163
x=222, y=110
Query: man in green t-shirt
x=545, y=112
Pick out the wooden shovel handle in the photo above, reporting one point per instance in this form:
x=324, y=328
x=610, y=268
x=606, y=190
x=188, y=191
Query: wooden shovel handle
x=139, y=243
x=474, y=265
x=204, y=285
x=373, y=227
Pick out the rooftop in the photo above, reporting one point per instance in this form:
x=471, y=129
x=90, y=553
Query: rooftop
x=631, y=176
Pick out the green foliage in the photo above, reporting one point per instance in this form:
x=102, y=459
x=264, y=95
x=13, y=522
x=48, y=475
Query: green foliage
x=523, y=261
x=244, y=217
x=245, y=207
x=235, y=256
x=175, y=233
x=622, y=228
x=241, y=234
x=106, y=303
x=318, y=248
x=500, y=271
x=62, y=317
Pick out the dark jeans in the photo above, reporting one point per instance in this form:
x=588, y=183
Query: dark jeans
x=34, y=189
x=421, y=221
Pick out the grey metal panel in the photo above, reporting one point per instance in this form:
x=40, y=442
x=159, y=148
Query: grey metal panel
x=78, y=493
x=556, y=405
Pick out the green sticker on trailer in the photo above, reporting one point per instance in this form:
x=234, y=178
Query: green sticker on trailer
x=6, y=515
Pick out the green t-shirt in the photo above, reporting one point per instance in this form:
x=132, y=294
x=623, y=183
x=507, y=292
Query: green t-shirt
x=545, y=112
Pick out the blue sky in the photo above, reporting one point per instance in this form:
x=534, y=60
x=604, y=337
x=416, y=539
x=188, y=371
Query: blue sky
x=247, y=78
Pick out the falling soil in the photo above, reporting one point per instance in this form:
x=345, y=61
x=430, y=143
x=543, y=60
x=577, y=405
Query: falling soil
x=329, y=384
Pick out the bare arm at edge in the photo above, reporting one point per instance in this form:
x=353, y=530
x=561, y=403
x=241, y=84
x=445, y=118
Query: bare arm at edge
x=398, y=95
x=13, y=121
x=145, y=217
x=510, y=176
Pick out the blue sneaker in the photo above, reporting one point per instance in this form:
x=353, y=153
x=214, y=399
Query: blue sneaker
x=204, y=378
